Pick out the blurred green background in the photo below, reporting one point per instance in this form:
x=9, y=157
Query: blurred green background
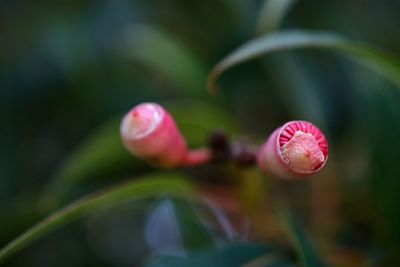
x=69, y=70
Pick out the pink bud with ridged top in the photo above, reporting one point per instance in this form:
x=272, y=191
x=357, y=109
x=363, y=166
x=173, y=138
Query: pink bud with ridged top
x=297, y=149
x=149, y=132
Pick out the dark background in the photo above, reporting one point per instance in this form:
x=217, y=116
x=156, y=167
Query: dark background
x=69, y=67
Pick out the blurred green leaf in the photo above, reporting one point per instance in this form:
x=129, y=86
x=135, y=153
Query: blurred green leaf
x=301, y=90
x=380, y=116
x=305, y=249
x=272, y=14
x=231, y=255
x=194, y=233
x=197, y=119
x=175, y=226
x=295, y=39
x=148, y=186
x=16, y=214
x=100, y=153
x=166, y=55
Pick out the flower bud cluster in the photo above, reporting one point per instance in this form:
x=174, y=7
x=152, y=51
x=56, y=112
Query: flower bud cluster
x=295, y=150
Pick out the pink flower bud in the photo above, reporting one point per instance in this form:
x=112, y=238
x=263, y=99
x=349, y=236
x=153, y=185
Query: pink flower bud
x=149, y=132
x=297, y=149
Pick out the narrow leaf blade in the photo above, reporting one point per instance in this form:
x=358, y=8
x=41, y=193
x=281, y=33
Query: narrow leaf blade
x=309, y=257
x=137, y=189
x=296, y=39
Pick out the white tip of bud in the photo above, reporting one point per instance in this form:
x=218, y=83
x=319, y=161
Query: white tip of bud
x=141, y=121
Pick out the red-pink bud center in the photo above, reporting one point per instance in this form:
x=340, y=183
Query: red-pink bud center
x=142, y=121
x=303, y=146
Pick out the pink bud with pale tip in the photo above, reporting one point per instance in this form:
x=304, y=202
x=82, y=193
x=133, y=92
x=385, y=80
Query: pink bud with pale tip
x=149, y=132
x=295, y=150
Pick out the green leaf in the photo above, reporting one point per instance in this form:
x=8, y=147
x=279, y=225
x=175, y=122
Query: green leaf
x=231, y=255
x=100, y=153
x=301, y=94
x=272, y=14
x=176, y=225
x=381, y=124
x=166, y=55
x=196, y=120
x=305, y=249
x=295, y=39
x=147, y=186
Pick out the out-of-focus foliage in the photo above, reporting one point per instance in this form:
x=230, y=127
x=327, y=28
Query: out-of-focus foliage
x=70, y=69
x=233, y=255
x=148, y=186
x=267, y=44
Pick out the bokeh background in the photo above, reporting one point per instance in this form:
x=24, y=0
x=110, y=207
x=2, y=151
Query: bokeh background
x=69, y=70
